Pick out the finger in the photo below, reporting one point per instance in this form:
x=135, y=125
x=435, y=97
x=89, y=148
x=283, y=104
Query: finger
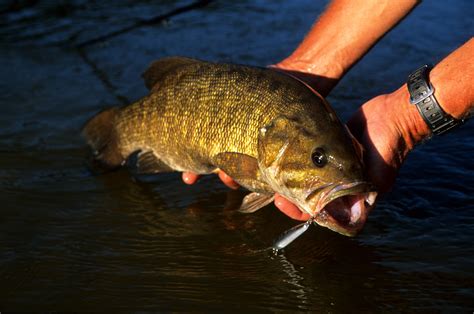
x=228, y=180
x=189, y=177
x=290, y=209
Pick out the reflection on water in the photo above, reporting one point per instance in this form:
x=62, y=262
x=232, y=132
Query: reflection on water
x=72, y=239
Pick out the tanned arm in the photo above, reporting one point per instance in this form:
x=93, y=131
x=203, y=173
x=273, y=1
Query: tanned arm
x=342, y=35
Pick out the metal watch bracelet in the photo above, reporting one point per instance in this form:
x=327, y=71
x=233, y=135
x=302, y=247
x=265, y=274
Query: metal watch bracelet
x=422, y=96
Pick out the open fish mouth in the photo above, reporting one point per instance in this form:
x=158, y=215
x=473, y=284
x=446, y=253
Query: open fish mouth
x=344, y=207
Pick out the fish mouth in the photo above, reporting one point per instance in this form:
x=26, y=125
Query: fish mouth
x=344, y=208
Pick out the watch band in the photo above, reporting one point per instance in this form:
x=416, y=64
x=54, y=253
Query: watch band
x=422, y=96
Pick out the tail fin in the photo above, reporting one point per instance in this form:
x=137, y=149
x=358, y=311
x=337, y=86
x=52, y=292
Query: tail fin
x=100, y=134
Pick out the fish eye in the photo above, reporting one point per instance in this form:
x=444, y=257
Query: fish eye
x=319, y=157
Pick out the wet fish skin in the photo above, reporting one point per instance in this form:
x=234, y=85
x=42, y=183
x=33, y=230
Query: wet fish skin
x=258, y=125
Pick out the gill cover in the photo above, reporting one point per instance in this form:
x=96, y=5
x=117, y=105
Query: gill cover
x=273, y=142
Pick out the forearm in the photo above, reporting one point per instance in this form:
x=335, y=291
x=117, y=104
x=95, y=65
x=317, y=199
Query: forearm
x=342, y=35
x=452, y=80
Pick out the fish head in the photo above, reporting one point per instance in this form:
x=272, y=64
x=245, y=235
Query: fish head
x=318, y=165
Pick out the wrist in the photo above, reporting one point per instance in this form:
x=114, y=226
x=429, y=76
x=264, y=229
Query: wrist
x=320, y=75
x=314, y=63
x=408, y=121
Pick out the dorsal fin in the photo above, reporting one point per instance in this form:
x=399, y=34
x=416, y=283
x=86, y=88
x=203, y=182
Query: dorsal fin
x=160, y=68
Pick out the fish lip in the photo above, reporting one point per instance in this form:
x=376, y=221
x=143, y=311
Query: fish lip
x=359, y=191
x=341, y=189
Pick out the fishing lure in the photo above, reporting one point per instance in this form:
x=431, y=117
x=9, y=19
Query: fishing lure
x=291, y=234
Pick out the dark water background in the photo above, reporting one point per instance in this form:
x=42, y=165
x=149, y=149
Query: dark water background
x=73, y=241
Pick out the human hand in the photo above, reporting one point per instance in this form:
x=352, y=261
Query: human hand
x=384, y=148
x=388, y=127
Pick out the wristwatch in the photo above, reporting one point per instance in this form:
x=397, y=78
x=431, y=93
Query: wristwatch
x=421, y=95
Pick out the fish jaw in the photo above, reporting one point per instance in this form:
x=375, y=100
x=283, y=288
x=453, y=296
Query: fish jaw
x=342, y=207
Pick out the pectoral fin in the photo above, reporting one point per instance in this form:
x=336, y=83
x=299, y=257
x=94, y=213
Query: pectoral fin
x=254, y=201
x=243, y=169
x=273, y=140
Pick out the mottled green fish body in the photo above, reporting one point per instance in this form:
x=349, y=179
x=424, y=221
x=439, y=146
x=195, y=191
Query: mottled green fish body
x=258, y=125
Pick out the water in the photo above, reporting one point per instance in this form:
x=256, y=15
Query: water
x=74, y=241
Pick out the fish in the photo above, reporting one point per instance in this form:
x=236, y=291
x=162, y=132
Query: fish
x=268, y=130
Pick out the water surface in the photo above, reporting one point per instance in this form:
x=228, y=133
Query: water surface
x=71, y=240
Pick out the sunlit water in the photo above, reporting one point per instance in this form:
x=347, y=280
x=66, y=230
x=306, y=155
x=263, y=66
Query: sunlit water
x=71, y=240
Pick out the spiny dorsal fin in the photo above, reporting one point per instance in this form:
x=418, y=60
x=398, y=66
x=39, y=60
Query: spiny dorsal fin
x=160, y=68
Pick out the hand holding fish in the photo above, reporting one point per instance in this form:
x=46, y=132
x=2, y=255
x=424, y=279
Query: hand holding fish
x=377, y=127
x=388, y=126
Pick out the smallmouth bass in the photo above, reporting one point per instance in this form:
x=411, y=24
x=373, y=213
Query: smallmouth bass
x=267, y=130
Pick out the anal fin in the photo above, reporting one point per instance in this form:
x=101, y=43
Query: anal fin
x=146, y=162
